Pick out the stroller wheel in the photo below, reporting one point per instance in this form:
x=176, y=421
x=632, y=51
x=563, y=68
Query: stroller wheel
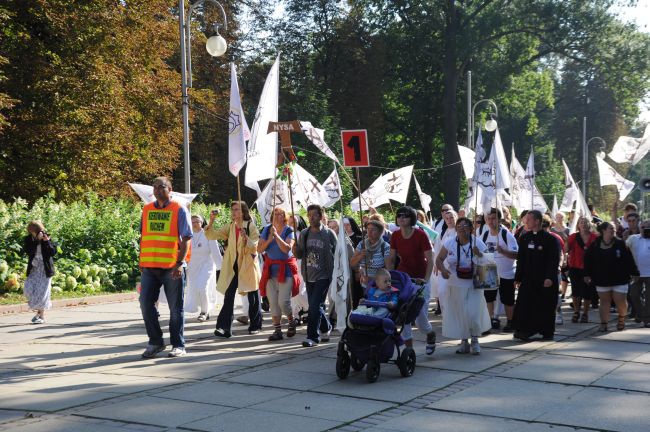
x=357, y=364
x=372, y=370
x=342, y=365
x=406, y=362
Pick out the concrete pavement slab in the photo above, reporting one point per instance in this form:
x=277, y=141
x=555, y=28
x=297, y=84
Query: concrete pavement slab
x=284, y=379
x=427, y=420
x=604, y=349
x=632, y=333
x=7, y=415
x=324, y=406
x=27, y=398
x=391, y=386
x=67, y=424
x=257, y=420
x=49, y=355
x=630, y=376
x=225, y=394
x=603, y=409
x=155, y=411
x=563, y=369
x=445, y=357
x=510, y=398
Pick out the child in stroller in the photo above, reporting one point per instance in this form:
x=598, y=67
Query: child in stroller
x=370, y=340
x=380, y=291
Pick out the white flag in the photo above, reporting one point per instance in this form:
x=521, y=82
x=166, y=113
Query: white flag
x=609, y=176
x=340, y=278
x=570, y=190
x=491, y=175
x=482, y=172
x=631, y=150
x=317, y=137
x=307, y=190
x=573, y=195
x=500, y=162
x=238, y=132
x=522, y=190
x=467, y=158
x=333, y=189
x=266, y=200
x=425, y=200
x=392, y=186
x=145, y=192
x=263, y=147
x=555, y=210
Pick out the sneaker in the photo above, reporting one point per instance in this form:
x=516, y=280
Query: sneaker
x=431, y=343
x=177, y=352
x=152, y=351
x=308, y=343
x=276, y=336
x=39, y=320
x=222, y=333
x=463, y=348
x=35, y=318
x=242, y=320
x=496, y=324
x=475, y=348
x=291, y=331
x=326, y=336
x=508, y=327
x=559, y=320
x=202, y=317
x=253, y=332
x=521, y=336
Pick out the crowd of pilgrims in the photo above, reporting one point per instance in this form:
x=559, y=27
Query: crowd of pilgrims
x=287, y=268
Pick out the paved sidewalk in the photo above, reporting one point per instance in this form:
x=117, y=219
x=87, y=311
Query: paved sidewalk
x=82, y=372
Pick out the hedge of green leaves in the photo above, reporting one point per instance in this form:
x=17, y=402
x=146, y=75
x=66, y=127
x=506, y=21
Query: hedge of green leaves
x=97, y=242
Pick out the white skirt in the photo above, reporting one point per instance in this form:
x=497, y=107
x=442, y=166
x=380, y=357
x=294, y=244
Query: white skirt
x=465, y=312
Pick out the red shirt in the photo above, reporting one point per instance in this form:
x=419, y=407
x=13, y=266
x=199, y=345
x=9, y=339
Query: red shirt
x=577, y=253
x=411, y=252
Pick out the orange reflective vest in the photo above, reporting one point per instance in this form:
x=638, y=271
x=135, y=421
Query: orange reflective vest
x=159, y=244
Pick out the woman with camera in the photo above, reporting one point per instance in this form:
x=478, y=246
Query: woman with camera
x=465, y=315
x=240, y=270
x=40, y=269
x=609, y=266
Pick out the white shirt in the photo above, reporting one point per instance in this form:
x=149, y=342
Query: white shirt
x=642, y=256
x=464, y=259
x=505, y=266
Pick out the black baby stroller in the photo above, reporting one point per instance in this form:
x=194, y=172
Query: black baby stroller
x=369, y=340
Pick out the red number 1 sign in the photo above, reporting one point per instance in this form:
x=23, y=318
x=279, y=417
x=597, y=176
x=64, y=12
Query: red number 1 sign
x=355, y=148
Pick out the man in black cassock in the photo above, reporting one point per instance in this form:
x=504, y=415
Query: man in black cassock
x=536, y=277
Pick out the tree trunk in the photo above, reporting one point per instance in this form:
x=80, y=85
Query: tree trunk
x=451, y=74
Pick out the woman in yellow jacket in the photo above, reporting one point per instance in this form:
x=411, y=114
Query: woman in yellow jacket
x=240, y=271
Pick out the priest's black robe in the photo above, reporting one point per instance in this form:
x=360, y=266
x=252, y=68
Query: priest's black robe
x=537, y=259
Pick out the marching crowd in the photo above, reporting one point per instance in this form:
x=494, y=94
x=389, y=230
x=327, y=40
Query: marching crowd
x=288, y=267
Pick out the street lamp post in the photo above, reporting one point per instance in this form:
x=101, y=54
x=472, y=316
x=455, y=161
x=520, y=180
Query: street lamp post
x=216, y=46
x=585, y=160
x=490, y=125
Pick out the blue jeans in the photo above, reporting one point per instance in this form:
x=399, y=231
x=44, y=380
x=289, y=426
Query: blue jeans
x=317, y=318
x=152, y=280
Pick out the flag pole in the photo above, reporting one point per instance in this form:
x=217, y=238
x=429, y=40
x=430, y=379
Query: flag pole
x=363, y=228
x=496, y=198
x=341, y=197
x=238, y=189
x=532, y=181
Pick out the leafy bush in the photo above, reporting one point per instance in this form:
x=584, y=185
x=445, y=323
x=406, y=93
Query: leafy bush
x=96, y=239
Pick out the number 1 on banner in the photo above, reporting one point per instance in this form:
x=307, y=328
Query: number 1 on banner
x=355, y=148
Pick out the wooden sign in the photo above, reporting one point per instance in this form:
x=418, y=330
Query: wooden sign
x=285, y=129
x=355, y=148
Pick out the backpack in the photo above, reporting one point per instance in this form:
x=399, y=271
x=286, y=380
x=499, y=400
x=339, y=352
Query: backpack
x=504, y=235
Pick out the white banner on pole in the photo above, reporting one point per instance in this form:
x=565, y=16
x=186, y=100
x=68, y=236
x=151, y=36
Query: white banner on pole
x=263, y=146
x=266, y=199
x=392, y=186
x=317, y=137
x=467, y=158
x=340, y=278
x=145, y=192
x=307, y=190
x=631, y=150
x=425, y=200
x=609, y=176
x=333, y=189
x=238, y=132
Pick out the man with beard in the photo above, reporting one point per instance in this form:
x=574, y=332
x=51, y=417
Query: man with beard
x=536, y=277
